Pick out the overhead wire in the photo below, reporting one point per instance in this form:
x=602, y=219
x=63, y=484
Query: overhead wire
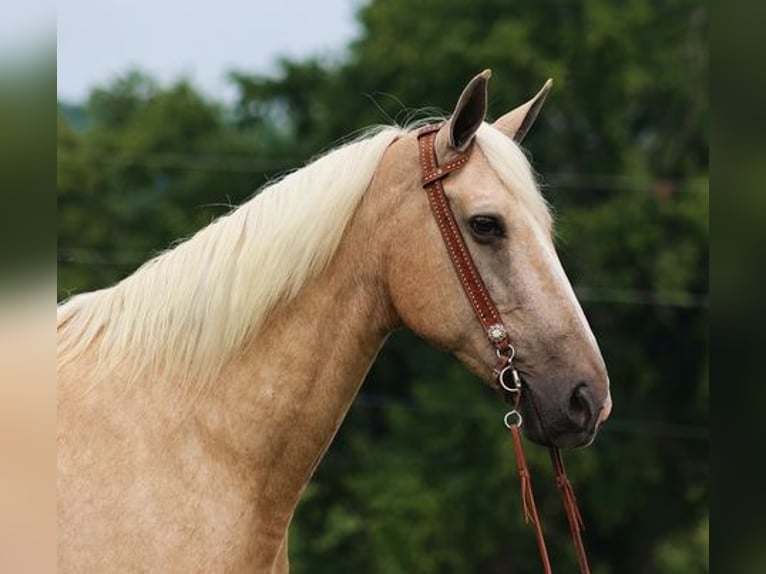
x=245, y=164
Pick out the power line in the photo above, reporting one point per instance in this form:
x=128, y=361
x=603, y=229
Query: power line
x=86, y=256
x=239, y=164
x=681, y=299
x=610, y=182
x=244, y=164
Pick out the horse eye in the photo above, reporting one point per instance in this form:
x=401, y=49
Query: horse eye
x=485, y=227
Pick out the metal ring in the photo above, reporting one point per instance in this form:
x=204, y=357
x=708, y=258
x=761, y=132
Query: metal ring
x=514, y=386
x=514, y=413
x=511, y=353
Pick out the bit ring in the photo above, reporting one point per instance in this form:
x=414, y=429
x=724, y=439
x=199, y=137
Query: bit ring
x=506, y=355
x=514, y=414
x=512, y=386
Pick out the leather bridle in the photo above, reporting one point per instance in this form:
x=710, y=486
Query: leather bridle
x=506, y=377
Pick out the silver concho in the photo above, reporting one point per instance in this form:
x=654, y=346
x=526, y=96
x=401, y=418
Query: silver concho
x=496, y=333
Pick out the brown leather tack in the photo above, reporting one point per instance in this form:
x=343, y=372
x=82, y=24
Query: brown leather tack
x=493, y=326
x=472, y=283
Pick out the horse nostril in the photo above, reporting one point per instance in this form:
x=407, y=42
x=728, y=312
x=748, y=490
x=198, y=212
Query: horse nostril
x=581, y=410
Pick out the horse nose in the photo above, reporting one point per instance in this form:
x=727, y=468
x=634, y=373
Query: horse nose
x=582, y=409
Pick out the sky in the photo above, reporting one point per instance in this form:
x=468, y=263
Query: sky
x=200, y=39
x=26, y=27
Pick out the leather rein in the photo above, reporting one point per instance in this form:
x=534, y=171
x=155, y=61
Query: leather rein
x=506, y=376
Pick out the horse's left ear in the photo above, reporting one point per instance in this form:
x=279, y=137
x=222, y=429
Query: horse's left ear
x=470, y=111
x=516, y=123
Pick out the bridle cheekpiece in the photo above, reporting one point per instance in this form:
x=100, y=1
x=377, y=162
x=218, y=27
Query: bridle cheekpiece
x=507, y=379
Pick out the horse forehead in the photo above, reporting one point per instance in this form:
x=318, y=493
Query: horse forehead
x=478, y=183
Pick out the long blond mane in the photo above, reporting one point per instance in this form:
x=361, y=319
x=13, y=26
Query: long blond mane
x=186, y=311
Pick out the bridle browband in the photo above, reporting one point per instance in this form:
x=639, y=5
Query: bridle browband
x=507, y=379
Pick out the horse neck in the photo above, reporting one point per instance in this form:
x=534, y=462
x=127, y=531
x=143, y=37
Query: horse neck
x=280, y=404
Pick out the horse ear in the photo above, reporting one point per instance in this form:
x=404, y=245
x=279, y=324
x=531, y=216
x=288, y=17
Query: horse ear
x=516, y=123
x=469, y=113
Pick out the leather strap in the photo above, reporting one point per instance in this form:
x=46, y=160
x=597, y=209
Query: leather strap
x=496, y=332
x=528, y=506
x=574, y=517
x=472, y=283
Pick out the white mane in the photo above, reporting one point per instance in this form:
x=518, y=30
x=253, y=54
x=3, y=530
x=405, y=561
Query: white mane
x=187, y=309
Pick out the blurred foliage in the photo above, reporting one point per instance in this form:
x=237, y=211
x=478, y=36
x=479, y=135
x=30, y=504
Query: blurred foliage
x=26, y=177
x=420, y=477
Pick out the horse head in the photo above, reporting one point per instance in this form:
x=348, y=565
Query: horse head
x=507, y=228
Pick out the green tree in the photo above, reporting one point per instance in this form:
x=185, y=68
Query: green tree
x=161, y=159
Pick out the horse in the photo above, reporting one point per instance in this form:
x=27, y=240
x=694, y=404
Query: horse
x=197, y=396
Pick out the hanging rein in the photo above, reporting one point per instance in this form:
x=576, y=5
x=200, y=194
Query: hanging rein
x=508, y=381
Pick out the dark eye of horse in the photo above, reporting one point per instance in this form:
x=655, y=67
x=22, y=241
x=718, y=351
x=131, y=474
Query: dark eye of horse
x=487, y=227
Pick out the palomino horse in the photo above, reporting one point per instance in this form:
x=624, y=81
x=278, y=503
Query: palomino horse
x=197, y=396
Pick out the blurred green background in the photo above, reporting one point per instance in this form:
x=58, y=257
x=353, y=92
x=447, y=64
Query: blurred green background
x=421, y=476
